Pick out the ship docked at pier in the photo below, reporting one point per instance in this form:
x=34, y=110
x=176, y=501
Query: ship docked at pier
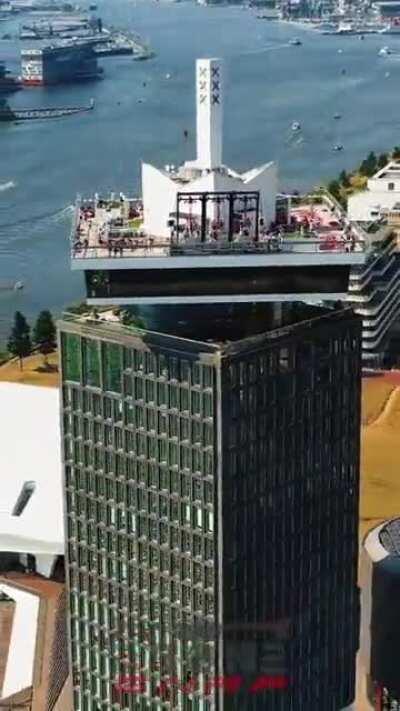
x=59, y=63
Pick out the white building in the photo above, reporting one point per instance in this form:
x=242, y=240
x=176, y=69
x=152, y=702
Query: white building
x=31, y=512
x=207, y=173
x=381, y=195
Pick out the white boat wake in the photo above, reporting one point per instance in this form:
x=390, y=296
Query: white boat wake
x=268, y=48
x=64, y=214
x=7, y=186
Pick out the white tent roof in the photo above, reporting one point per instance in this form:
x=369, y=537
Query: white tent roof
x=30, y=451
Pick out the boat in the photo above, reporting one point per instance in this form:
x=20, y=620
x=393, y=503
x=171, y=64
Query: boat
x=384, y=52
x=337, y=147
x=295, y=42
x=296, y=126
x=8, y=83
x=7, y=114
x=337, y=116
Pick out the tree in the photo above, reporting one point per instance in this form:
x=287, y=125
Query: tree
x=44, y=334
x=396, y=152
x=369, y=165
x=383, y=160
x=128, y=318
x=19, y=343
x=334, y=188
x=344, y=179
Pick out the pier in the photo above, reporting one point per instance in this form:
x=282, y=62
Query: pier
x=8, y=114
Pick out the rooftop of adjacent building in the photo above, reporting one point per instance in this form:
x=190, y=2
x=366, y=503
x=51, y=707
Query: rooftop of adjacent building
x=35, y=673
x=30, y=462
x=391, y=171
x=220, y=331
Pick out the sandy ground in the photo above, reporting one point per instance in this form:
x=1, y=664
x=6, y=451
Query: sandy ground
x=33, y=373
x=380, y=452
x=380, y=466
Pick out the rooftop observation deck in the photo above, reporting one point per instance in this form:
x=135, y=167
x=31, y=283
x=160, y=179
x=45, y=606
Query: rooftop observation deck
x=108, y=234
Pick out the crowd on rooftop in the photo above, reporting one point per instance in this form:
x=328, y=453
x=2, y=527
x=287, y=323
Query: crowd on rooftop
x=119, y=234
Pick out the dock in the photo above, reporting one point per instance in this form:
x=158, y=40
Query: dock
x=7, y=114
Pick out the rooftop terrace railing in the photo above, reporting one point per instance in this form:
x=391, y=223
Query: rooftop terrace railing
x=151, y=247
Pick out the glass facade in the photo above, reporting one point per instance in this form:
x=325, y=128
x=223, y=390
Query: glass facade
x=138, y=430
x=209, y=485
x=290, y=510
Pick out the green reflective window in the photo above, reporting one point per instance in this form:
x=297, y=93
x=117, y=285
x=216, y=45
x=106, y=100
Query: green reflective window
x=71, y=348
x=112, y=367
x=97, y=409
x=91, y=362
x=128, y=358
x=185, y=399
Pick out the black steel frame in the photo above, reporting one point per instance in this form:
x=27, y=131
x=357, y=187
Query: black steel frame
x=249, y=199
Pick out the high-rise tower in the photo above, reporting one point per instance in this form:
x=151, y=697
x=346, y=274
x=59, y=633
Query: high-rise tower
x=211, y=484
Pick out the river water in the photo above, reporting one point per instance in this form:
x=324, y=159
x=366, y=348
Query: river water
x=268, y=84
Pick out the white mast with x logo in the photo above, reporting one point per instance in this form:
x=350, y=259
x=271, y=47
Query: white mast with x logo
x=209, y=113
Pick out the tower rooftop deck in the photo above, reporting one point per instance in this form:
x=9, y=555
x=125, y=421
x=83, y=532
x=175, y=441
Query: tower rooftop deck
x=112, y=229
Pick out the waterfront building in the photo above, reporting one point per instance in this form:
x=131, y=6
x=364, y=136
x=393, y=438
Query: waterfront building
x=380, y=196
x=211, y=483
x=374, y=292
x=374, y=288
x=380, y=629
x=388, y=9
